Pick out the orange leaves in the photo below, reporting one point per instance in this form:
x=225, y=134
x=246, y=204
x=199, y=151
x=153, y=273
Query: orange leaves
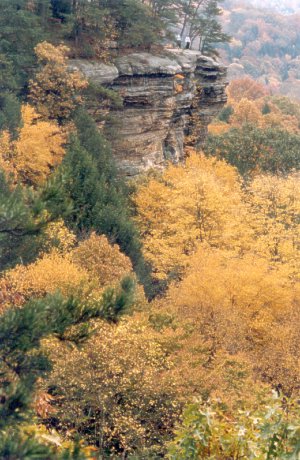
x=251, y=103
x=245, y=88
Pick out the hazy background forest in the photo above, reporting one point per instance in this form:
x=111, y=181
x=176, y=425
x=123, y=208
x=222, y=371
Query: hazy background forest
x=158, y=317
x=265, y=43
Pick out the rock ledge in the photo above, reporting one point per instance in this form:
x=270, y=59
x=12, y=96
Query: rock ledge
x=168, y=102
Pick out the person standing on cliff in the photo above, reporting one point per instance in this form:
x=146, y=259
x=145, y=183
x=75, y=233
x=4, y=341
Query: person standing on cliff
x=187, y=43
x=178, y=40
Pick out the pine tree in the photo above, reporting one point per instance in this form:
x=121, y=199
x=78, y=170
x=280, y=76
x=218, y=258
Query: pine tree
x=23, y=219
x=98, y=197
x=208, y=29
x=20, y=31
x=17, y=225
x=23, y=362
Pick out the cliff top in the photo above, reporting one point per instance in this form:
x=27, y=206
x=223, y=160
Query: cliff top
x=172, y=62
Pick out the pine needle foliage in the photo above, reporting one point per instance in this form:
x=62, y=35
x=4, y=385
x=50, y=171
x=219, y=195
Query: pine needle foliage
x=23, y=362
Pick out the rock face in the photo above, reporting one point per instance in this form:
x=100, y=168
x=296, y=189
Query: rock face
x=168, y=102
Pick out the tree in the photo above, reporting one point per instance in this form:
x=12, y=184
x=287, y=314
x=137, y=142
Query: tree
x=211, y=430
x=55, y=89
x=61, y=9
x=251, y=149
x=38, y=149
x=96, y=201
x=190, y=204
x=50, y=273
x=102, y=260
x=10, y=113
x=166, y=12
x=274, y=217
x=23, y=362
x=108, y=391
x=134, y=22
x=246, y=112
x=19, y=223
x=85, y=270
x=24, y=215
x=245, y=88
x=201, y=24
x=208, y=30
x=20, y=31
x=98, y=197
x=243, y=305
x=190, y=10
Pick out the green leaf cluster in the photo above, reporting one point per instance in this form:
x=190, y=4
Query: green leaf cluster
x=210, y=431
x=250, y=148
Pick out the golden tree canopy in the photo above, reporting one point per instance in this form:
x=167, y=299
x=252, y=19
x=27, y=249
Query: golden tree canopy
x=37, y=151
x=55, y=90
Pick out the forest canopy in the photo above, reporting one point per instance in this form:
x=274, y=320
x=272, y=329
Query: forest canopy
x=146, y=319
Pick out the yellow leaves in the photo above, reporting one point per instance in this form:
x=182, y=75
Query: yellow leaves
x=48, y=274
x=244, y=284
x=55, y=90
x=36, y=152
x=39, y=147
x=218, y=127
x=237, y=305
x=191, y=204
x=102, y=260
x=202, y=202
x=274, y=210
x=85, y=270
x=233, y=252
x=120, y=374
x=6, y=155
x=246, y=111
x=46, y=52
x=58, y=235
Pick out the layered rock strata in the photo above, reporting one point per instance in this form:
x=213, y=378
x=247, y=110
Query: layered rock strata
x=168, y=102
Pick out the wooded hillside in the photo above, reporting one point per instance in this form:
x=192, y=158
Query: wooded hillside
x=152, y=318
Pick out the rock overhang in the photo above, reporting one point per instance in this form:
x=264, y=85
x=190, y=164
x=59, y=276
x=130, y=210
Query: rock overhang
x=168, y=102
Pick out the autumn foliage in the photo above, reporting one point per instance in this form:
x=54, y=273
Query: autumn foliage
x=92, y=368
x=37, y=151
x=190, y=204
x=55, y=90
x=231, y=253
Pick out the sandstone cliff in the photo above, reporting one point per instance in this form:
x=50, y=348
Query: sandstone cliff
x=168, y=102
